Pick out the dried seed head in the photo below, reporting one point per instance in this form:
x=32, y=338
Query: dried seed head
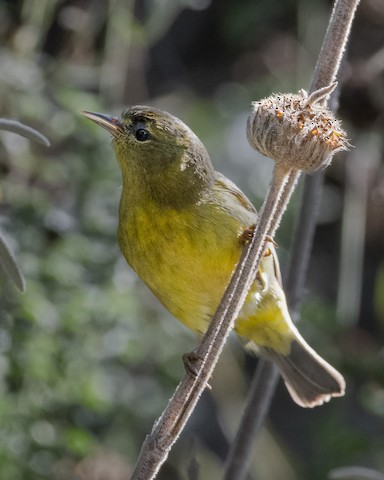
x=296, y=131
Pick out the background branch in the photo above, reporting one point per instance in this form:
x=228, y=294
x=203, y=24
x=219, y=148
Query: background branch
x=167, y=429
x=266, y=375
x=7, y=258
x=24, y=130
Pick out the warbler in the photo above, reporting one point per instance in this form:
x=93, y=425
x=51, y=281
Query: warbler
x=181, y=228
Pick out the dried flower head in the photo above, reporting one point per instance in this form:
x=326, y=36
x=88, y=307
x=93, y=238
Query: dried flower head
x=296, y=130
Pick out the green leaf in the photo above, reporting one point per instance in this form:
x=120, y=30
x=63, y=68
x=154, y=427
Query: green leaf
x=10, y=266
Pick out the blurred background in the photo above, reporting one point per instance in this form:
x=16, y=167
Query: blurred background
x=88, y=357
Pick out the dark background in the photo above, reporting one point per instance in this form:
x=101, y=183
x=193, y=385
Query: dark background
x=88, y=357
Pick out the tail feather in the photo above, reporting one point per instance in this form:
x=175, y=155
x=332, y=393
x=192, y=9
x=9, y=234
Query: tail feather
x=310, y=380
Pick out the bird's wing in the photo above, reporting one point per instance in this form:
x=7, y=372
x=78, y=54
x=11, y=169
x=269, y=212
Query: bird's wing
x=233, y=198
x=240, y=206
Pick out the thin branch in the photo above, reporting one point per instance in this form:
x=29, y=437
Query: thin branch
x=260, y=396
x=261, y=392
x=23, y=130
x=302, y=240
x=334, y=44
x=7, y=258
x=358, y=181
x=167, y=429
x=355, y=473
x=292, y=180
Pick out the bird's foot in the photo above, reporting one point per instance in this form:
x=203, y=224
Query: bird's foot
x=247, y=235
x=192, y=364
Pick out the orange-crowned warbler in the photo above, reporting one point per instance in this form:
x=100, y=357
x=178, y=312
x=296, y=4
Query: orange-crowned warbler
x=181, y=227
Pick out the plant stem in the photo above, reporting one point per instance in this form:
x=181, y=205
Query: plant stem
x=261, y=392
x=301, y=247
x=24, y=130
x=169, y=426
x=334, y=43
x=259, y=397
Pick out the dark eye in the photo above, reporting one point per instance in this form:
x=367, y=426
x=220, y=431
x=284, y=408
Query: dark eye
x=142, y=135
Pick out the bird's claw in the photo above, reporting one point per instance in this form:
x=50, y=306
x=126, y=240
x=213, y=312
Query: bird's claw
x=192, y=364
x=247, y=235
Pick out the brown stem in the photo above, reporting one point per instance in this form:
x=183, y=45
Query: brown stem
x=334, y=43
x=169, y=426
x=261, y=393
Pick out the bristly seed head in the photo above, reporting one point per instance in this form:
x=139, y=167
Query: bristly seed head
x=297, y=130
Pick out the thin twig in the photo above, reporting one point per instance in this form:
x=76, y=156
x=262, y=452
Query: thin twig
x=24, y=130
x=261, y=393
x=292, y=180
x=355, y=473
x=334, y=44
x=167, y=429
x=7, y=258
x=302, y=240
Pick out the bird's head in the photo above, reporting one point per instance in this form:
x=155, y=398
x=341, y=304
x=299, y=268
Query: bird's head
x=158, y=154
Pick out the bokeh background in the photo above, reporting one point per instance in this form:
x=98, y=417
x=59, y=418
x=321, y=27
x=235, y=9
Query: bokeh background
x=88, y=357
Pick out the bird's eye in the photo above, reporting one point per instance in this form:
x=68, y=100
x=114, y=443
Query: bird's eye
x=142, y=135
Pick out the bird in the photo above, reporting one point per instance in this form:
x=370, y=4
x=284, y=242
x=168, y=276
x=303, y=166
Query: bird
x=181, y=228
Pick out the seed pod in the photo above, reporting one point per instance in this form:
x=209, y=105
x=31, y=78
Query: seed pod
x=296, y=130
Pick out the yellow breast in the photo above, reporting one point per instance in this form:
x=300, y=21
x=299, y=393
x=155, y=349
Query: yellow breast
x=185, y=258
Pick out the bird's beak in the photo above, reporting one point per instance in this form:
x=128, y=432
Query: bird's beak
x=110, y=123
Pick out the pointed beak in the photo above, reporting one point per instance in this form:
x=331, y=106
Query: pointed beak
x=110, y=123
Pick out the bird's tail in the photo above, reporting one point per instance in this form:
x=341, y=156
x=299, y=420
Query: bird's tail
x=310, y=380
x=265, y=321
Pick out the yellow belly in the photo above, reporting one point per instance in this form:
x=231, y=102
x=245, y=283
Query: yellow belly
x=183, y=258
x=187, y=260
x=264, y=319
